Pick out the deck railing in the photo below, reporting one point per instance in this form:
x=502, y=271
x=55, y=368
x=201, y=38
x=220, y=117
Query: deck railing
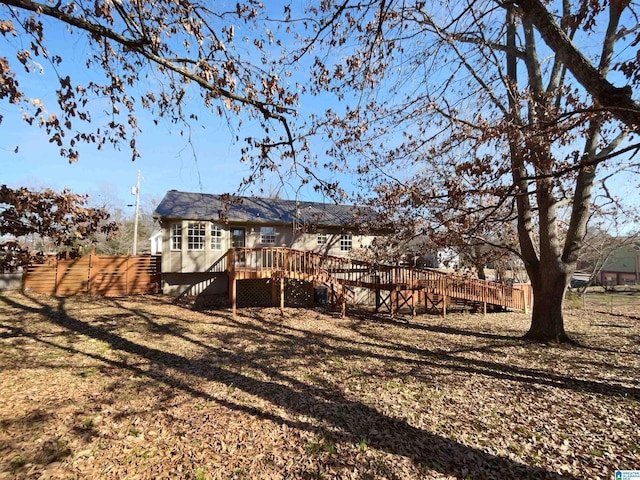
x=245, y=263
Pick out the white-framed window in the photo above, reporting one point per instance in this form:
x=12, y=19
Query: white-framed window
x=176, y=236
x=216, y=237
x=322, y=239
x=195, y=235
x=268, y=235
x=346, y=242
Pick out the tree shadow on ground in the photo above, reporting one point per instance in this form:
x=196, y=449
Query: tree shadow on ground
x=449, y=360
x=393, y=435
x=408, y=323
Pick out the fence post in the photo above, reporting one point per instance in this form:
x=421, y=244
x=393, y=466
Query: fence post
x=126, y=274
x=611, y=304
x=91, y=273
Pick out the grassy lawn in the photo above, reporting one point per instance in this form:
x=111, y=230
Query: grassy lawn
x=617, y=301
x=140, y=388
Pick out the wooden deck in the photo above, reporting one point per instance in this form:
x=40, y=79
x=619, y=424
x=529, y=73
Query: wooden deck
x=395, y=286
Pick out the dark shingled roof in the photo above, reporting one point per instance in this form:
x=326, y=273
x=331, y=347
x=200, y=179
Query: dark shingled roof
x=203, y=206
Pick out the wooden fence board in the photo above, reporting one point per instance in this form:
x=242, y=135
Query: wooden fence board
x=72, y=276
x=40, y=278
x=96, y=275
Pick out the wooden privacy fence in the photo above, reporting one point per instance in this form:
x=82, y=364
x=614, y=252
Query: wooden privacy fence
x=108, y=276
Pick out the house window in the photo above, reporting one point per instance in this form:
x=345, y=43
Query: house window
x=268, y=235
x=322, y=239
x=345, y=243
x=195, y=236
x=216, y=237
x=176, y=236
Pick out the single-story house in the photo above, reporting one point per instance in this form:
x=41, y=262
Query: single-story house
x=622, y=267
x=198, y=229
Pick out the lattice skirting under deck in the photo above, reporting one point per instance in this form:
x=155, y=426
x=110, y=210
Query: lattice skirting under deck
x=259, y=293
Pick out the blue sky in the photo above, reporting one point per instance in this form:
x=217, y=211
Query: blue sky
x=167, y=161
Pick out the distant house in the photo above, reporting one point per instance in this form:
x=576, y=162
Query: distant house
x=197, y=229
x=622, y=267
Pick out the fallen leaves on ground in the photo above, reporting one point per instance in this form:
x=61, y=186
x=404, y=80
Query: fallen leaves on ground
x=140, y=388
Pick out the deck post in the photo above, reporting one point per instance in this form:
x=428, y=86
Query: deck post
x=393, y=298
x=274, y=290
x=413, y=303
x=312, y=291
x=444, y=306
x=282, y=295
x=524, y=300
x=233, y=293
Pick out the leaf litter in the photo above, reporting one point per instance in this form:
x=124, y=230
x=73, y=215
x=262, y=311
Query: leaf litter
x=139, y=387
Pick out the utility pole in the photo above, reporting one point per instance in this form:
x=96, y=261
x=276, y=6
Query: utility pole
x=136, y=191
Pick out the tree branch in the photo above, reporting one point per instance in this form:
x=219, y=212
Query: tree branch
x=269, y=111
x=615, y=99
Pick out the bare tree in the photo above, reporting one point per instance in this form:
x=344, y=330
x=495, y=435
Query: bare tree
x=461, y=118
x=453, y=113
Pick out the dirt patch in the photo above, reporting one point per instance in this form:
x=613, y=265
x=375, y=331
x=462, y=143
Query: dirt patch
x=140, y=388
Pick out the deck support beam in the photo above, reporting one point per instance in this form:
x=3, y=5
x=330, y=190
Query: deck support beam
x=444, y=306
x=274, y=291
x=394, y=300
x=233, y=290
x=312, y=291
x=282, y=295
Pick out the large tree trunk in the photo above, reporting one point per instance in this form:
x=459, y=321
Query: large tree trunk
x=547, y=321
